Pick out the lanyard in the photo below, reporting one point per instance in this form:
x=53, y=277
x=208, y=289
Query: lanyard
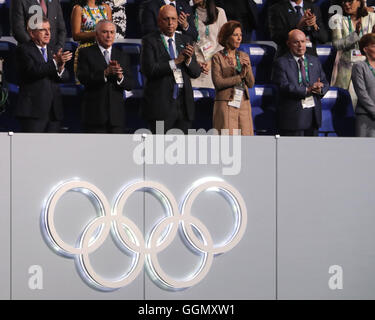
x=91, y=15
x=207, y=32
x=238, y=66
x=306, y=72
x=166, y=45
x=351, y=28
x=371, y=68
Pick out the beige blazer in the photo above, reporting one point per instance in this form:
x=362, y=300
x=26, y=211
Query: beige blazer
x=225, y=77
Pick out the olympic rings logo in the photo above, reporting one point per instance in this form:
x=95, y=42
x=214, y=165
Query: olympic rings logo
x=127, y=234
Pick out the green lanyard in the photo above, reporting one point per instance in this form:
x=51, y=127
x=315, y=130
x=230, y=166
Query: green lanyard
x=166, y=46
x=91, y=15
x=306, y=72
x=351, y=28
x=207, y=32
x=238, y=66
x=371, y=68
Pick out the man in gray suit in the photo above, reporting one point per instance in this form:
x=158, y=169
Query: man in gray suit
x=20, y=15
x=363, y=77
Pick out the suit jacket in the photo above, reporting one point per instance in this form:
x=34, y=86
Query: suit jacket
x=38, y=81
x=225, y=77
x=19, y=15
x=283, y=18
x=158, y=91
x=364, y=86
x=344, y=41
x=244, y=11
x=291, y=115
x=149, y=11
x=103, y=101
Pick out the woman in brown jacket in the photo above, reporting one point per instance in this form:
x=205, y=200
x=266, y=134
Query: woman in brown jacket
x=232, y=76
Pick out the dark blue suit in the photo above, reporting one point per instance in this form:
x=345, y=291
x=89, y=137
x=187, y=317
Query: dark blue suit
x=149, y=11
x=291, y=115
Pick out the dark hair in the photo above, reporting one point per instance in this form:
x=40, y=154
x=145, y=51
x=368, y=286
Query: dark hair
x=82, y=3
x=212, y=12
x=365, y=41
x=361, y=12
x=226, y=31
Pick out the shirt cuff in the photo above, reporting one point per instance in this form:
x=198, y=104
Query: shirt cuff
x=120, y=81
x=59, y=74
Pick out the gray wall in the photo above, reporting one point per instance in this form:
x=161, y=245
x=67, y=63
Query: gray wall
x=309, y=206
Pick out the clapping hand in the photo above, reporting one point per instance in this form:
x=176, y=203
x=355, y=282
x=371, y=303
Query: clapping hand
x=61, y=58
x=114, y=68
x=182, y=20
x=316, y=87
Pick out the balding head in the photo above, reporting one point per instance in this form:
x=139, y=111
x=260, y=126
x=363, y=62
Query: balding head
x=168, y=20
x=297, y=42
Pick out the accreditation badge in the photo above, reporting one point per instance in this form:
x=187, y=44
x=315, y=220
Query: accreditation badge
x=308, y=102
x=238, y=94
x=207, y=48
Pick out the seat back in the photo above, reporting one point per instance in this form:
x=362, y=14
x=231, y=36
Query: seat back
x=263, y=100
x=261, y=57
x=337, y=114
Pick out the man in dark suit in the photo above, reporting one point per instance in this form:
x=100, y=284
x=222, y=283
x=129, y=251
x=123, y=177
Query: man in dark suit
x=105, y=72
x=302, y=83
x=168, y=62
x=39, y=106
x=296, y=14
x=149, y=11
x=20, y=15
x=244, y=11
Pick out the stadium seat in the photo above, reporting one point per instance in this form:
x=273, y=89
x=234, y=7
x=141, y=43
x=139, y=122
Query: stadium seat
x=204, y=104
x=327, y=55
x=261, y=57
x=337, y=114
x=134, y=52
x=263, y=100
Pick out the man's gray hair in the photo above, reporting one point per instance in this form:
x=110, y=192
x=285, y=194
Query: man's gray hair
x=102, y=22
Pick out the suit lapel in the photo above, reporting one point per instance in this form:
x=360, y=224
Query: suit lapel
x=37, y=53
x=179, y=44
x=97, y=54
x=162, y=48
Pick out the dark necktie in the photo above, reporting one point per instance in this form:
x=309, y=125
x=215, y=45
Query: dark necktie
x=44, y=52
x=298, y=10
x=173, y=56
x=302, y=68
x=44, y=7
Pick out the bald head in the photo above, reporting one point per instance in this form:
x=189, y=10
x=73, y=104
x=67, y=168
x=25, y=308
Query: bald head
x=168, y=20
x=297, y=42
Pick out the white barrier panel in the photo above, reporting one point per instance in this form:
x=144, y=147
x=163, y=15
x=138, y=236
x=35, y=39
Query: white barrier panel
x=326, y=220
x=5, y=216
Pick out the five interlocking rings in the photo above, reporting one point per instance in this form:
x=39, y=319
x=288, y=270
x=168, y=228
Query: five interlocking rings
x=129, y=235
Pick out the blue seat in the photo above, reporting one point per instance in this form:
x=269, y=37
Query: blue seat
x=263, y=100
x=261, y=57
x=327, y=55
x=204, y=104
x=134, y=52
x=337, y=114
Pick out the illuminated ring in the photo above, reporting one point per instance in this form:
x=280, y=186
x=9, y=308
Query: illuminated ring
x=133, y=238
x=237, y=204
x=97, y=280
x=104, y=217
